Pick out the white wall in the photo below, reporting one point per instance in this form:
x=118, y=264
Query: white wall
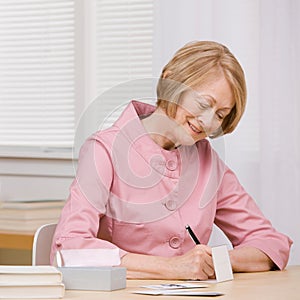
x=265, y=37
x=35, y=178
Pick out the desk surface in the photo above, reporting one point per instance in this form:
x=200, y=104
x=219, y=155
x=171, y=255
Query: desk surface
x=245, y=286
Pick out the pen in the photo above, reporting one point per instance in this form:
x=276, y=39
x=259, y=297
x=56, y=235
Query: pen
x=192, y=235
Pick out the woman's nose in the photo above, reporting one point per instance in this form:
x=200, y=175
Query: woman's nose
x=209, y=121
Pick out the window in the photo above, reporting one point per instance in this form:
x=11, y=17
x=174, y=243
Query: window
x=37, y=40
x=41, y=67
x=120, y=58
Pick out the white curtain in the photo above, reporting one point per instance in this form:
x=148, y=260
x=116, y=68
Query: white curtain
x=279, y=108
x=264, y=151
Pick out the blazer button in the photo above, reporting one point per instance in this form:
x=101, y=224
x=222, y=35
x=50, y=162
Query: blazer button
x=171, y=165
x=171, y=205
x=174, y=242
x=158, y=163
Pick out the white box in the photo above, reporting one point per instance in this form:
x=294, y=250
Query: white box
x=94, y=278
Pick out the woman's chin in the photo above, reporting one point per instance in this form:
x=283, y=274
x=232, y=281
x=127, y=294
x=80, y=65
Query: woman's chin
x=187, y=141
x=185, y=138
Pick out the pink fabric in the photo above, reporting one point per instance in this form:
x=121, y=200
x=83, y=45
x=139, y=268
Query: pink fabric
x=131, y=194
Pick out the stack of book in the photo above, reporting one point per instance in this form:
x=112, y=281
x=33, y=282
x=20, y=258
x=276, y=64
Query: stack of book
x=24, y=282
x=28, y=215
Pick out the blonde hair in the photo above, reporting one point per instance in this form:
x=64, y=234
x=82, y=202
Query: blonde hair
x=194, y=65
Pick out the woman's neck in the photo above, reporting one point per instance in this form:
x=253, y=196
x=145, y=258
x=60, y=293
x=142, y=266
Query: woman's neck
x=159, y=127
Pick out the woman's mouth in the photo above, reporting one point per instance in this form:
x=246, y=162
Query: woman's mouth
x=194, y=129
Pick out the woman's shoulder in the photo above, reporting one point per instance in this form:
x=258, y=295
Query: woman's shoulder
x=105, y=136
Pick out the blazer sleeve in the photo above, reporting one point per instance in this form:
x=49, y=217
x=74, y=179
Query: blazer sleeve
x=242, y=221
x=79, y=221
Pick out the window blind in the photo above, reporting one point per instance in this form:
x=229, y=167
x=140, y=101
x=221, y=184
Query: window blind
x=124, y=54
x=37, y=73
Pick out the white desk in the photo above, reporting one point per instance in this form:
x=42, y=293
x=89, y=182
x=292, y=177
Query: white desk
x=275, y=285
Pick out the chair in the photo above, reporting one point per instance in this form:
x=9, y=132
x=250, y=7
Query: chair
x=42, y=244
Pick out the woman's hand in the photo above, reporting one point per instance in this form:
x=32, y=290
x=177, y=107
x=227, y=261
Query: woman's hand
x=195, y=264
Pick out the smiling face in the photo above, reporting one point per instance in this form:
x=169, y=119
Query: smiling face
x=194, y=65
x=201, y=111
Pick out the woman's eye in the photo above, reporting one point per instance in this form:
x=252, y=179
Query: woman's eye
x=220, y=117
x=203, y=106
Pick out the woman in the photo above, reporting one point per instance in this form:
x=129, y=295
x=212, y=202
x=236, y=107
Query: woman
x=141, y=181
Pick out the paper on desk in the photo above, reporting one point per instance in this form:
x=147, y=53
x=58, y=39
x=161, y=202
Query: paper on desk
x=177, y=293
x=174, y=286
x=87, y=258
x=208, y=281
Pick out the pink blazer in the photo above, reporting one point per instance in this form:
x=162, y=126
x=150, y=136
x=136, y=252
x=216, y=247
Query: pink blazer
x=131, y=194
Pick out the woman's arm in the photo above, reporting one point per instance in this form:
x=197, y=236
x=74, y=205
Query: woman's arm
x=195, y=264
x=79, y=221
x=254, y=239
x=250, y=259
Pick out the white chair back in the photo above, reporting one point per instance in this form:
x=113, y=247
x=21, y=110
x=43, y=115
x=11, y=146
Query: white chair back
x=42, y=242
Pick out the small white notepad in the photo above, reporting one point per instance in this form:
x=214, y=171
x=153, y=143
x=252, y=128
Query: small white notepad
x=222, y=265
